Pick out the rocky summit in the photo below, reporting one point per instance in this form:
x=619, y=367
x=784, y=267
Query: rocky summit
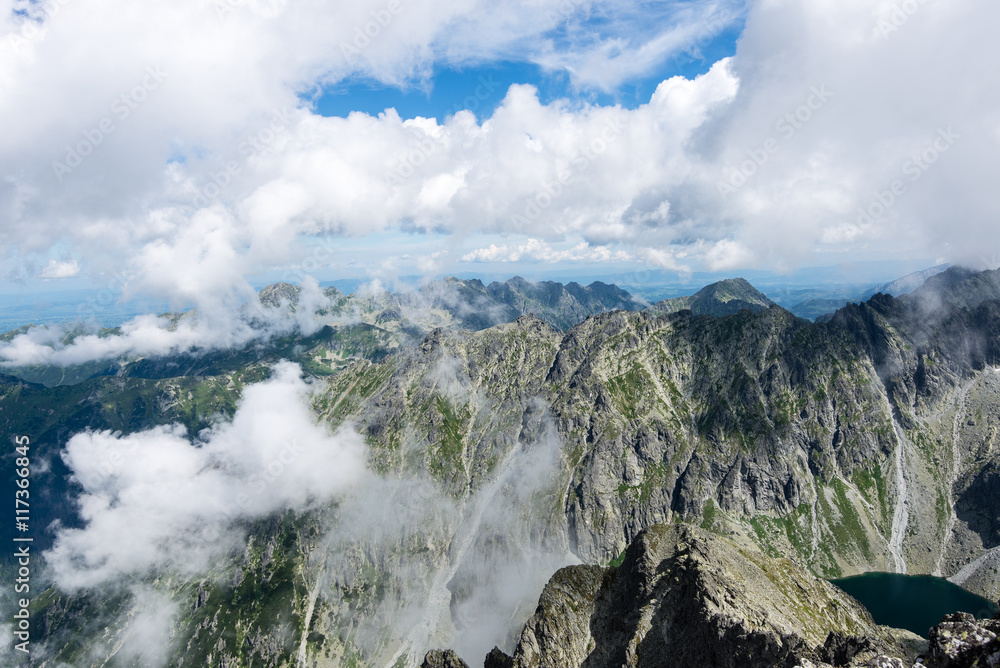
x=722, y=298
x=686, y=598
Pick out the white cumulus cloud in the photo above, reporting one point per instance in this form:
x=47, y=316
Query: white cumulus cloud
x=164, y=499
x=57, y=269
x=217, y=171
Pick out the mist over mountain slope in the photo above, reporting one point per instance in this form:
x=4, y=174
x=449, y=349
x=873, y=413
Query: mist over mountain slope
x=825, y=305
x=905, y=284
x=320, y=327
x=758, y=415
x=961, y=287
x=497, y=455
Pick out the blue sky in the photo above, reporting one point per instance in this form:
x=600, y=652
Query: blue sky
x=450, y=89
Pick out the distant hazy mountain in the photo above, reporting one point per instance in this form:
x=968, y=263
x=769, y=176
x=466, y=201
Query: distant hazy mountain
x=562, y=306
x=814, y=309
x=723, y=298
x=364, y=325
x=274, y=294
x=904, y=285
x=960, y=287
x=470, y=304
x=822, y=307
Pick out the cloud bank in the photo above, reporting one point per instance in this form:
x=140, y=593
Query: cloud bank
x=217, y=326
x=838, y=130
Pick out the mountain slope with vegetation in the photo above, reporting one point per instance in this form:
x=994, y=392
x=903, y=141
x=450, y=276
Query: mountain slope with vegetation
x=867, y=442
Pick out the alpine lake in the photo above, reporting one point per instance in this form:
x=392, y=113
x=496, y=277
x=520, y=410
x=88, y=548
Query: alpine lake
x=913, y=602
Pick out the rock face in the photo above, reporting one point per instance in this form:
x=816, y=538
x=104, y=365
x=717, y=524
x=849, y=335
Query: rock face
x=809, y=438
x=686, y=598
x=960, y=641
x=443, y=659
x=497, y=659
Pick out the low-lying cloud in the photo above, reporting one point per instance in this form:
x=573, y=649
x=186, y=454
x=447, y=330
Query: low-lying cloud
x=460, y=571
x=201, y=329
x=164, y=499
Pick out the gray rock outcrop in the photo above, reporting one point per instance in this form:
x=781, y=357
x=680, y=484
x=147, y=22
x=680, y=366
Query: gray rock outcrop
x=684, y=597
x=446, y=658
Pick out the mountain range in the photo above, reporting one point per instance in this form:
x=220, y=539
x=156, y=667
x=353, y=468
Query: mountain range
x=515, y=428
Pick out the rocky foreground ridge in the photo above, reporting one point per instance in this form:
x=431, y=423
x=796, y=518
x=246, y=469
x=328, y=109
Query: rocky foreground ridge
x=686, y=598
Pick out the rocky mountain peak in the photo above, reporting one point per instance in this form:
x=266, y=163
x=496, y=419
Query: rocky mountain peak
x=688, y=598
x=960, y=287
x=734, y=288
x=274, y=294
x=724, y=297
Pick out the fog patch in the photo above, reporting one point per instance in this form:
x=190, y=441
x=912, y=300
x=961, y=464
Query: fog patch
x=162, y=499
x=507, y=539
x=199, y=330
x=148, y=639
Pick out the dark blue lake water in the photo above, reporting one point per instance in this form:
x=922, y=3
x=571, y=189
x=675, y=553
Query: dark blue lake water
x=913, y=602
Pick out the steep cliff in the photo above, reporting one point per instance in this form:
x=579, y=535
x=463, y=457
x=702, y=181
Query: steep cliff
x=687, y=598
x=811, y=439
